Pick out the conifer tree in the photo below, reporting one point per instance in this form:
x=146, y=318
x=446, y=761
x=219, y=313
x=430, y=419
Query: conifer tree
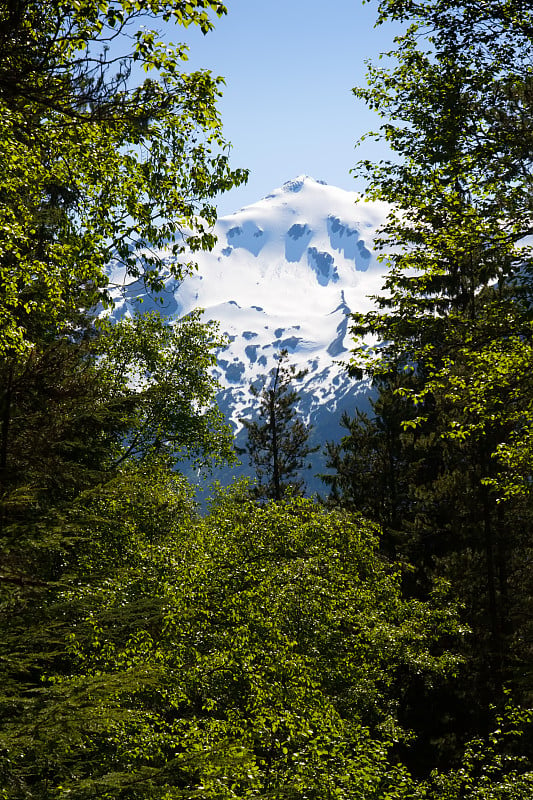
x=455, y=312
x=373, y=464
x=278, y=440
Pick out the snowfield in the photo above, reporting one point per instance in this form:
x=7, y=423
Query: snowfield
x=285, y=274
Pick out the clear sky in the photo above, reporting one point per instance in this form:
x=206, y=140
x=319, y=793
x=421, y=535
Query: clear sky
x=289, y=67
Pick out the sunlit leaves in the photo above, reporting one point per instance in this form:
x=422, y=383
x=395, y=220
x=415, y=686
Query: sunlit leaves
x=256, y=651
x=99, y=164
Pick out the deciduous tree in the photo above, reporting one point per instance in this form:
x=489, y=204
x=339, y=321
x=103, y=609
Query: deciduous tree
x=260, y=651
x=100, y=166
x=99, y=163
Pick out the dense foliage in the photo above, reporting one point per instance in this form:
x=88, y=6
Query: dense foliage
x=98, y=165
x=457, y=297
x=262, y=650
x=97, y=162
x=281, y=648
x=446, y=458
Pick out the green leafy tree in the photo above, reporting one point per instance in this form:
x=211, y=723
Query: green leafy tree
x=97, y=162
x=96, y=427
x=456, y=106
x=100, y=166
x=278, y=443
x=493, y=767
x=455, y=99
x=260, y=651
x=81, y=406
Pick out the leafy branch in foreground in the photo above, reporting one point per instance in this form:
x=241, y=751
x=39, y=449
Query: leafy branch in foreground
x=97, y=164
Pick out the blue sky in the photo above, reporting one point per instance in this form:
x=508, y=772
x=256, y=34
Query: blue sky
x=289, y=67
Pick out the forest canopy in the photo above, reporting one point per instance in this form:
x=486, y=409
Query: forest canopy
x=372, y=646
x=97, y=165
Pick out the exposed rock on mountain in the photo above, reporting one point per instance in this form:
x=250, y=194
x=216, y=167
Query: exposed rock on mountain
x=285, y=273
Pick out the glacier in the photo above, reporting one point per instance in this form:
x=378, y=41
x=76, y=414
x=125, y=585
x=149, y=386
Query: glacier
x=285, y=273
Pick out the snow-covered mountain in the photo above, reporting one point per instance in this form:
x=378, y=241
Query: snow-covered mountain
x=285, y=273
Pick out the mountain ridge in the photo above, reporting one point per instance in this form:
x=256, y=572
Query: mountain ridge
x=285, y=273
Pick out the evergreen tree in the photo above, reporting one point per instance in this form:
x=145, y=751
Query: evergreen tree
x=373, y=466
x=455, y=107
x=456, y=111
x=278, y=442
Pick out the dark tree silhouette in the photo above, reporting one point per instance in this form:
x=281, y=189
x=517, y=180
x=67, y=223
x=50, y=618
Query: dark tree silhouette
x=278, y=439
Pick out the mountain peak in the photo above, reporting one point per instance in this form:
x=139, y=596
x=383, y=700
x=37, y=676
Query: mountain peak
x=285, y=273
x=297, y=184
